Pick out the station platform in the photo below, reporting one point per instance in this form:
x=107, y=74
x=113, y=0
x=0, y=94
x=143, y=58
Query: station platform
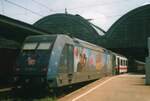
x=126, y=87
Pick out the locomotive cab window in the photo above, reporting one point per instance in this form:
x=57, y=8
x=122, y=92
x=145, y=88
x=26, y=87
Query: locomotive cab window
x=43, y=46
x=30, y=46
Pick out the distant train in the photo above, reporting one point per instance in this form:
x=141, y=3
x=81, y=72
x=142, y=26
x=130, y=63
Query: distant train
x=140, y=66
x=136, y=66
x=59, y=60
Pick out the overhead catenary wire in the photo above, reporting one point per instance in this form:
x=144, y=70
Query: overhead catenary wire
x=94, y=5
x=3, y=9
x=79, y=7
x=43, y=5
x=51, y=10
x=15, y=4
x=98, y=4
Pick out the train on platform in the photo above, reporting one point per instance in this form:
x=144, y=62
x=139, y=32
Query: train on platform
x=59, y=60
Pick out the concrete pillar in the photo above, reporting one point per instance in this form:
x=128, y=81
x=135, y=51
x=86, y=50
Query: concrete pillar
x=147, y=66
x=147, y=70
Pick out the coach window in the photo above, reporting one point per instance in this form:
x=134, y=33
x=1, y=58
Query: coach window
x=124, y=62
x=120, y=62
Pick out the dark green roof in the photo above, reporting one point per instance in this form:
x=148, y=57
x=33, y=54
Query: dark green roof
x=129, y=34
x=4, y=43
x=74, y=25
x=12, y=29
x=131, y=30
x=15, y=30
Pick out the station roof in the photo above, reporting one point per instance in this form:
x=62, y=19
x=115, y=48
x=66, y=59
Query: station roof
x=73, y=25
x=129, y=34
x=5, y=43
x=15, y=31
x=131, y=30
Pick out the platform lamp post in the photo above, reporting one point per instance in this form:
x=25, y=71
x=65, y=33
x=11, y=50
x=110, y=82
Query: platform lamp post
x=147, y=66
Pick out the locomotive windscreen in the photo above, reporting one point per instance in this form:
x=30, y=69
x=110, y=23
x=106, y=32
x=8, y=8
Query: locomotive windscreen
x=35, y=54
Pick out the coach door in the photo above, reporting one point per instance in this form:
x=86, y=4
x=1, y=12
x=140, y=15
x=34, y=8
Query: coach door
x=70, y=60
x=118, y=64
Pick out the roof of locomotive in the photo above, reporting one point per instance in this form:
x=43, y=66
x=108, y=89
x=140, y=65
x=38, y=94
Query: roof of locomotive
x=87, y=44
x=76, y=41
x=44, y=37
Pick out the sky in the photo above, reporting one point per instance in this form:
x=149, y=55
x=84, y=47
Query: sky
x=102, y=12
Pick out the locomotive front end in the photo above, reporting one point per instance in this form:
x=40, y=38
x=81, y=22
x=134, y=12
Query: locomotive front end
x=33, y=62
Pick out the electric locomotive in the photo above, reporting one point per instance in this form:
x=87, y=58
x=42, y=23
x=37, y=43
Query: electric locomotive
x=59, y=60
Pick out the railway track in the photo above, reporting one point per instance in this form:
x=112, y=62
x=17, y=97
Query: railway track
x=31, y=94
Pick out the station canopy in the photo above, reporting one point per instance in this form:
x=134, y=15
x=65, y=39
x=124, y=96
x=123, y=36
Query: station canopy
x=13, y=32
x=129, y=34
x=5, y=43
x=73, y=25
